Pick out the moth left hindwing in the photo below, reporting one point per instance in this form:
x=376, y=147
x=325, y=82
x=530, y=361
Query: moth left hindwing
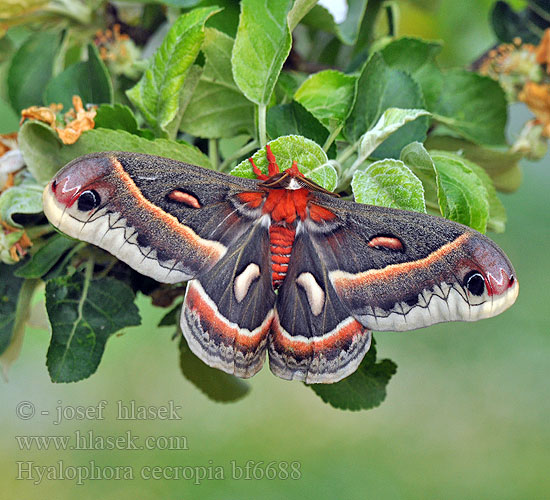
x=228, y=309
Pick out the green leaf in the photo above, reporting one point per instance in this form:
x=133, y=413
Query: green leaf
x=228, y=21
x=217, y=385
x=116, y=116
x=23, y=199
x=9, y=121
x=10, y=352
x=348, y=30
x=497, y=212
x=31, y=69
x=420, y=162
x=62, y=266
x=157, y=94
x=293, y=118
x=172, y=316
x=41, y=149
x=508, y=24
x=462, y=195
x=310, y=157
x=502, y=166
x=187, y=92
x=287, y=85
x=410, y=54
x=391, y=121
x=473, y=106
x=417, y=58
x=325, y=175
x=185, y=4
x=10, y=287
x=45, y=154
x=320, y=18
x=233, y=145
x=83, y=315
x=217, y=108
x=89, y=80
x=46, y=258
x=327, y=95
x=389, y=183
x=298, y=11
x=261, y=47
x=93, y=141
x=7, y=46
x=330, y=53
x=362, y=390
x=120, y=117
x=380, y=87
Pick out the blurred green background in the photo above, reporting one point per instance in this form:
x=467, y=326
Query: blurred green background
x=467, y=414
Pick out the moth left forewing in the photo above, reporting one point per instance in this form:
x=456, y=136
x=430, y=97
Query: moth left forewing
x=399, y=270
x=166, y=219
x=313, y=338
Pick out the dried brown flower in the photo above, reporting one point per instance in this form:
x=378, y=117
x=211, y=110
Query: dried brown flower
x=19, y=248
x=543, y=50
x=537, y=98
x=77, y=119
x=80, y=121
x=46, y=114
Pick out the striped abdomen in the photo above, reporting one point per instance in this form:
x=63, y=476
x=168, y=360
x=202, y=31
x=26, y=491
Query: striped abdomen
x=281, y=239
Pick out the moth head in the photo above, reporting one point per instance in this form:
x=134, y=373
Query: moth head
x=487, y=276
x=79, y=188
x=291, y=178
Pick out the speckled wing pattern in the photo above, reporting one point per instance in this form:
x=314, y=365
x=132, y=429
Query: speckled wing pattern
x=404, y=270
x=346, y=268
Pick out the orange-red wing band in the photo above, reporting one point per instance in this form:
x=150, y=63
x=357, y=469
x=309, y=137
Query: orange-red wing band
x=345, y=281
x=206, y=250
x=219, y=342
x=320, y=214
x=318, y=359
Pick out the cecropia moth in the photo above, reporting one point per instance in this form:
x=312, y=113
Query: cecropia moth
x=278, y=263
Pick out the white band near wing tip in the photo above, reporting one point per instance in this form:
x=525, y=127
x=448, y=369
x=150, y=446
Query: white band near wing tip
x=52, y=208
x=437, y=309
x=132, y=254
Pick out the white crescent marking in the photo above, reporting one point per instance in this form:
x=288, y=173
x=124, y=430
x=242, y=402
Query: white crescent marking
x=315, y=294
x=244, y=280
